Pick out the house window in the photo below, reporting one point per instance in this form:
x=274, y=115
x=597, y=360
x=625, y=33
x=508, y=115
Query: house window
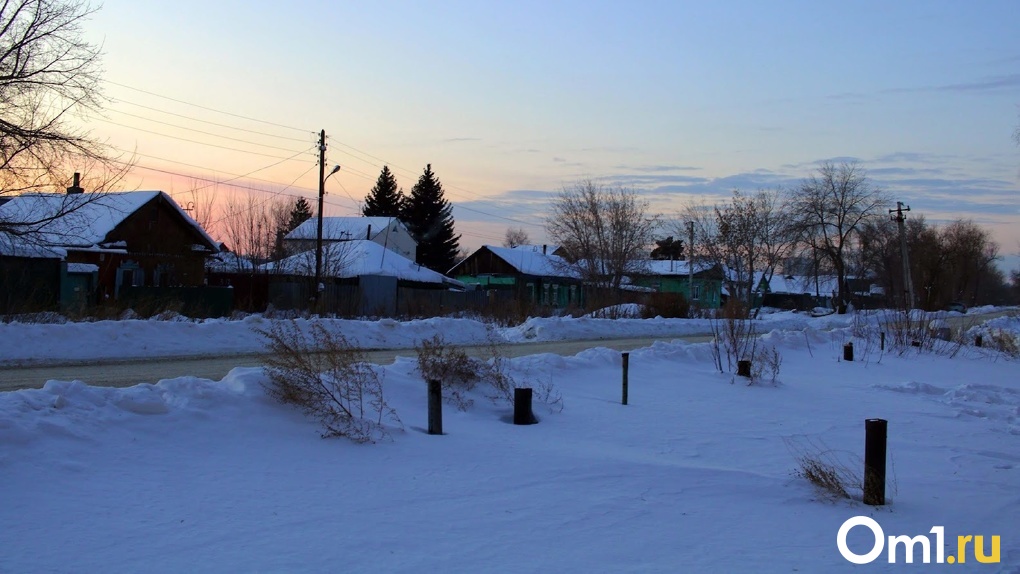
x=697, y=292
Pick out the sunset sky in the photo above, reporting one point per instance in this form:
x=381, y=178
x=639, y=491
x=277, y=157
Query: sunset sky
x=512, y=101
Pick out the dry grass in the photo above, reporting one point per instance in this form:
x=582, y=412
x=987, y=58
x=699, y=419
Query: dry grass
x=329, y=379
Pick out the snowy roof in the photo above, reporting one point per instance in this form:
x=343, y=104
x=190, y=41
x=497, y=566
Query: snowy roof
x=360, y=257
x=12, y=246
x=341, y=228
x=82, y=268
x=529, y=262
x=88, y=217
x=798, y=284
x=547, y=249
x=658, y=267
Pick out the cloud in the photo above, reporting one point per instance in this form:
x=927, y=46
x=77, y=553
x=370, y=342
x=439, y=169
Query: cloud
x=464, y=139
x=987, y=84
x=656, y=168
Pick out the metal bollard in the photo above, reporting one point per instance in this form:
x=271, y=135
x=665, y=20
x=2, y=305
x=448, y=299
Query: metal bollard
x=522, y=407
x=875, y=431
x=435, y=407
x=626, y=366
x=848, y=351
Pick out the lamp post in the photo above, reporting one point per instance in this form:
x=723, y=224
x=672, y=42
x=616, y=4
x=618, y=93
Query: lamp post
x=322, y=194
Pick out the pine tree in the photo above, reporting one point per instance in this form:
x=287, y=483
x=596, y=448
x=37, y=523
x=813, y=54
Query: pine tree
x=429, y=218
x=385, y=199
x=301, y=213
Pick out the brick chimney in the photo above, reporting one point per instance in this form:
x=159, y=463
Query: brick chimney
x=76, y=188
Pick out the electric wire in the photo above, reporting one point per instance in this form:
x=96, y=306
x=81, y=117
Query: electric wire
x=104, y=120
x=178, y=126
x=217, y=124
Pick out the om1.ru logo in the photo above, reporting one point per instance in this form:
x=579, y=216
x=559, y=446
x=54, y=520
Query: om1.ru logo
x=909, y=543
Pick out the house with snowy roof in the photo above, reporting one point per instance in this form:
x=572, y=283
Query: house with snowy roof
x=531, y=272
x=389, y=232
x=107, y=242
x=667, y=276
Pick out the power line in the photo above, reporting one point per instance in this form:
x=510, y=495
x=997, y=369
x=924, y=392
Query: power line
x=104, y=120
x=123, y=101
x=208, y=108
x=178, y=126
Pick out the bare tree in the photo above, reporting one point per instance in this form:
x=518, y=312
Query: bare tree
x=747, y=235
x=515, y=237
x=605, y=231
x=831, y=208
x=250, y=226
x=49, y=84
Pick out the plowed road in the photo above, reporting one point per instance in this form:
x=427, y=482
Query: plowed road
x=124, y=373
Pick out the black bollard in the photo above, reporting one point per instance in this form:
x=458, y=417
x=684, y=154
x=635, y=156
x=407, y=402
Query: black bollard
x=848, y=351
x=626, y=366
x=435, y=407
x=881, y=346
x=875, y=431
x=522, y=407
x=744, y=368
x=978, y=341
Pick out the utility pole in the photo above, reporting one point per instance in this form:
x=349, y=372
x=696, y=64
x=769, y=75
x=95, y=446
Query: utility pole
x=318, y=234
x=908, y=284
x=690, y=261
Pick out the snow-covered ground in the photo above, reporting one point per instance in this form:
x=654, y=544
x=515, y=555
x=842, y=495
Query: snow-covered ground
x=33, y=342
x=696, y=474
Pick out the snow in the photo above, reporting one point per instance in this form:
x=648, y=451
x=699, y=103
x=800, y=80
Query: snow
x=341, y=228
x=694, y=475
x=88, y=218
x=532, y=262
x=361, y=257
x=82, y=268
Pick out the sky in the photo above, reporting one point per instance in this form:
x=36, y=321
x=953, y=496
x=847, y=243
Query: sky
x=512, y=102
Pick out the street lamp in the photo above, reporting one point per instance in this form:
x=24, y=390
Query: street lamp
x=318, y=235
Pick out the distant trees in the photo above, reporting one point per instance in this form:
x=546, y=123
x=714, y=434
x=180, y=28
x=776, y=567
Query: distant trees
x=385, y=199
x=605, y=231
x=950, y=263
x=668, y=249
x=251, y=226
x=429, y=218
x=829, y=210
x=300, y=213
x=50, y=77
x=515, y=237
x=747, y=235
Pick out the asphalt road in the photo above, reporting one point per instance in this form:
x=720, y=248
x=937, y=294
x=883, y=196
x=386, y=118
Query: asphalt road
x=124, y=373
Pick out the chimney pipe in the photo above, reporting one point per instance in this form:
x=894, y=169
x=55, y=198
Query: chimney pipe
x=368, y=234
x=543, y=249
x=76, y=188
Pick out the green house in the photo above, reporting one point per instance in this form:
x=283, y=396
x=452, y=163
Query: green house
x=530, y=272
x=675, y=277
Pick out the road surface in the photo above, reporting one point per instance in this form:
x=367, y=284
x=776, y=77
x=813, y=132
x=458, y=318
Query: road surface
x=124, y=373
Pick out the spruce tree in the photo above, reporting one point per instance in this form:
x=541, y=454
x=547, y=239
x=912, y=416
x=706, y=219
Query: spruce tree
x=429, y=218
x=301, y=213
x=385, y=199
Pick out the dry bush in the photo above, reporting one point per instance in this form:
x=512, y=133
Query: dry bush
x=735, y=336
x=765, y=364
x=328, y=378
x=1004, y=341
x=460, y=374
x=457, y=373
x=830, y=472
x=666, y=305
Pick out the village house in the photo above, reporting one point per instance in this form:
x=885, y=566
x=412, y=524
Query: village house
x=106, y=243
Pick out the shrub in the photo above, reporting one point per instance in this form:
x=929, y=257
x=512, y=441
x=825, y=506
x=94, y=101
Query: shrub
x=329, y=379
x=829, y=471
x=457, y=373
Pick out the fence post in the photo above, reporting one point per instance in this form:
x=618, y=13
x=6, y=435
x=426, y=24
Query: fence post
x=848, y=351
x=875, y=431
x=744, y=368
x=435, y=407
x=881, y=346
x=522, y=407
x=978, y=340
x=626, y=366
